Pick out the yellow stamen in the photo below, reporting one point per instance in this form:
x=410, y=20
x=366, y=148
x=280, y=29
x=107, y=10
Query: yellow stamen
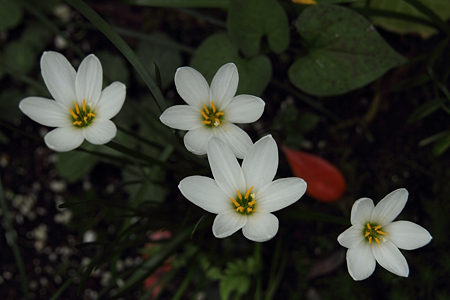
x=381, y=232
x=85, y=119
x=370, y=240
x=213, y=107
x=249, y=209
x=204, y=115
x=377, y=227
x=73, y=114
x=253, y=202
x=77, y=123
x=220, y=113
x=235, y=202
x=76, y=107
x=91, y=115
x=206, y=122
x=239, y=195
x=248, y=192
x=367, y=233
x=206, y=109
x=240, y=208
x=378, y=241
x=368, y=226
x=84, y=105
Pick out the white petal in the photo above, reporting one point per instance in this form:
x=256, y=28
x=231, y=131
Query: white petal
x=407, y=235
x=361, y=211
x=205, y=193
x=360, y=261
x=260, y=227
x=88, y=83
x=111, y=100
x=351, y=237
x=389, y=207
x=236, y=138
x=227, y=223
x=59, y=77
x=192, y=87
x=244, y=109
x=280, y=194
x=100, y=132
x=225, y=168
x=64, y=139
x=390, y=258
x=46, y=112
x=224, y=85
x=261, y=163
x=182, y=117
x=196, y=140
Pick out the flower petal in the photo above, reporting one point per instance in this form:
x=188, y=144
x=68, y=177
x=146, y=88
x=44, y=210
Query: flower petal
x=227, y=223
x=225, y=168
x=224, y=85
x=88, y=83
x=111, y=100
x=100, y=132
x=59, y=77
x=261, y=163
x=389, y=207
x=390, y=258
x=351, y=237
x=244, y=109
x=360, y=261
x=260, y=227
x=361, y=211
x=205, y=193
x=45, y=111
x=196, y=140
x=280, y=194
x=236, y=138
x=64, y=139
x=192, y=87
x=407, y=235
x=183, y=117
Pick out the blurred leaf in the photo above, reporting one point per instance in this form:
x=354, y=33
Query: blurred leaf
x=307, y=121
x=345, y=52
x=46, y=6
x=168, y=59
x=325, y=182
x=181, y=3
x=3, y=138
x=36, y=36
x=236, y=278
x=114, y=67
x=9, y=105
x=10, y=14
x=249, y=20
x=440, y=7
x=217, y=50
x=425, y=110
x=441, y=145
x=73, y=165
x=20, y=57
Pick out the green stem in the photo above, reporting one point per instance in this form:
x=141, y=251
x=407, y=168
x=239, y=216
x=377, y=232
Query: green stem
x=11, y=241
x=140, y=138
x=185, y=284
x=123, y=47
x=276, y=282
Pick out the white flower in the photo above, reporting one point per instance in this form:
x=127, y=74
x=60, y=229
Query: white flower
x=374, y=237
x=81, y=110
x=212, y=111
x=243, y=197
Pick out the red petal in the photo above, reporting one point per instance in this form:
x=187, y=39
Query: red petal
x=325, y=181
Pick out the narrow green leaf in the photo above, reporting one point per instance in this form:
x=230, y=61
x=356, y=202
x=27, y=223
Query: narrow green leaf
x=441, y=145
x=249, y=20
x=123, y=47
x=181, y=3
x=345, y=52
x=425, y=110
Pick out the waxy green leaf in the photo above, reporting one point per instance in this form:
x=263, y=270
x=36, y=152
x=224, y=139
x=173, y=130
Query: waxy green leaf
x=345, y=52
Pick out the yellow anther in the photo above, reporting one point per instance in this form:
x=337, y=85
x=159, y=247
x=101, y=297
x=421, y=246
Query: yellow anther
x=76, y=107
x=91, y=114
x=85, y=119
x=367, y=233
x=206, y=109
x=381, y=232
x=368, y=226
x=220, y=113
x=253, y=202
x=248, y=192
x=249, y=209
x=239, y=195
x=213, y=107
x=377, y=227
x=235, y=202
x=77, y=123
x=73, y=114
x=240, y=208
x=370, y=240
x=84, y=105
x=203, y=114
x=206, y=122
x=378, y=241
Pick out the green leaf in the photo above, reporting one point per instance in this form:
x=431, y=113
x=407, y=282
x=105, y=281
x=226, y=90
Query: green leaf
x=20, y=57
x=239, y=283
x=439, y=7
x=36, y=36
x=114, y=67
x=9, y=105
x=3, y=138
x=73, y=165
x=217, y=50
x=426, y=109
x=441, y=145
x=345, y=52
x=181, y=3
x=249, y=20
x=10, y=14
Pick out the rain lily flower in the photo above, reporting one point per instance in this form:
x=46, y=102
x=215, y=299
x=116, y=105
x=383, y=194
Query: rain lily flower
x=374, y=237
x=212, y=111
x=243, y=197
x=81, y=110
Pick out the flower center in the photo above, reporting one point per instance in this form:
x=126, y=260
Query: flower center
x=373, y=231
x=211, y=116
x=245, y=205
x=82, y=117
